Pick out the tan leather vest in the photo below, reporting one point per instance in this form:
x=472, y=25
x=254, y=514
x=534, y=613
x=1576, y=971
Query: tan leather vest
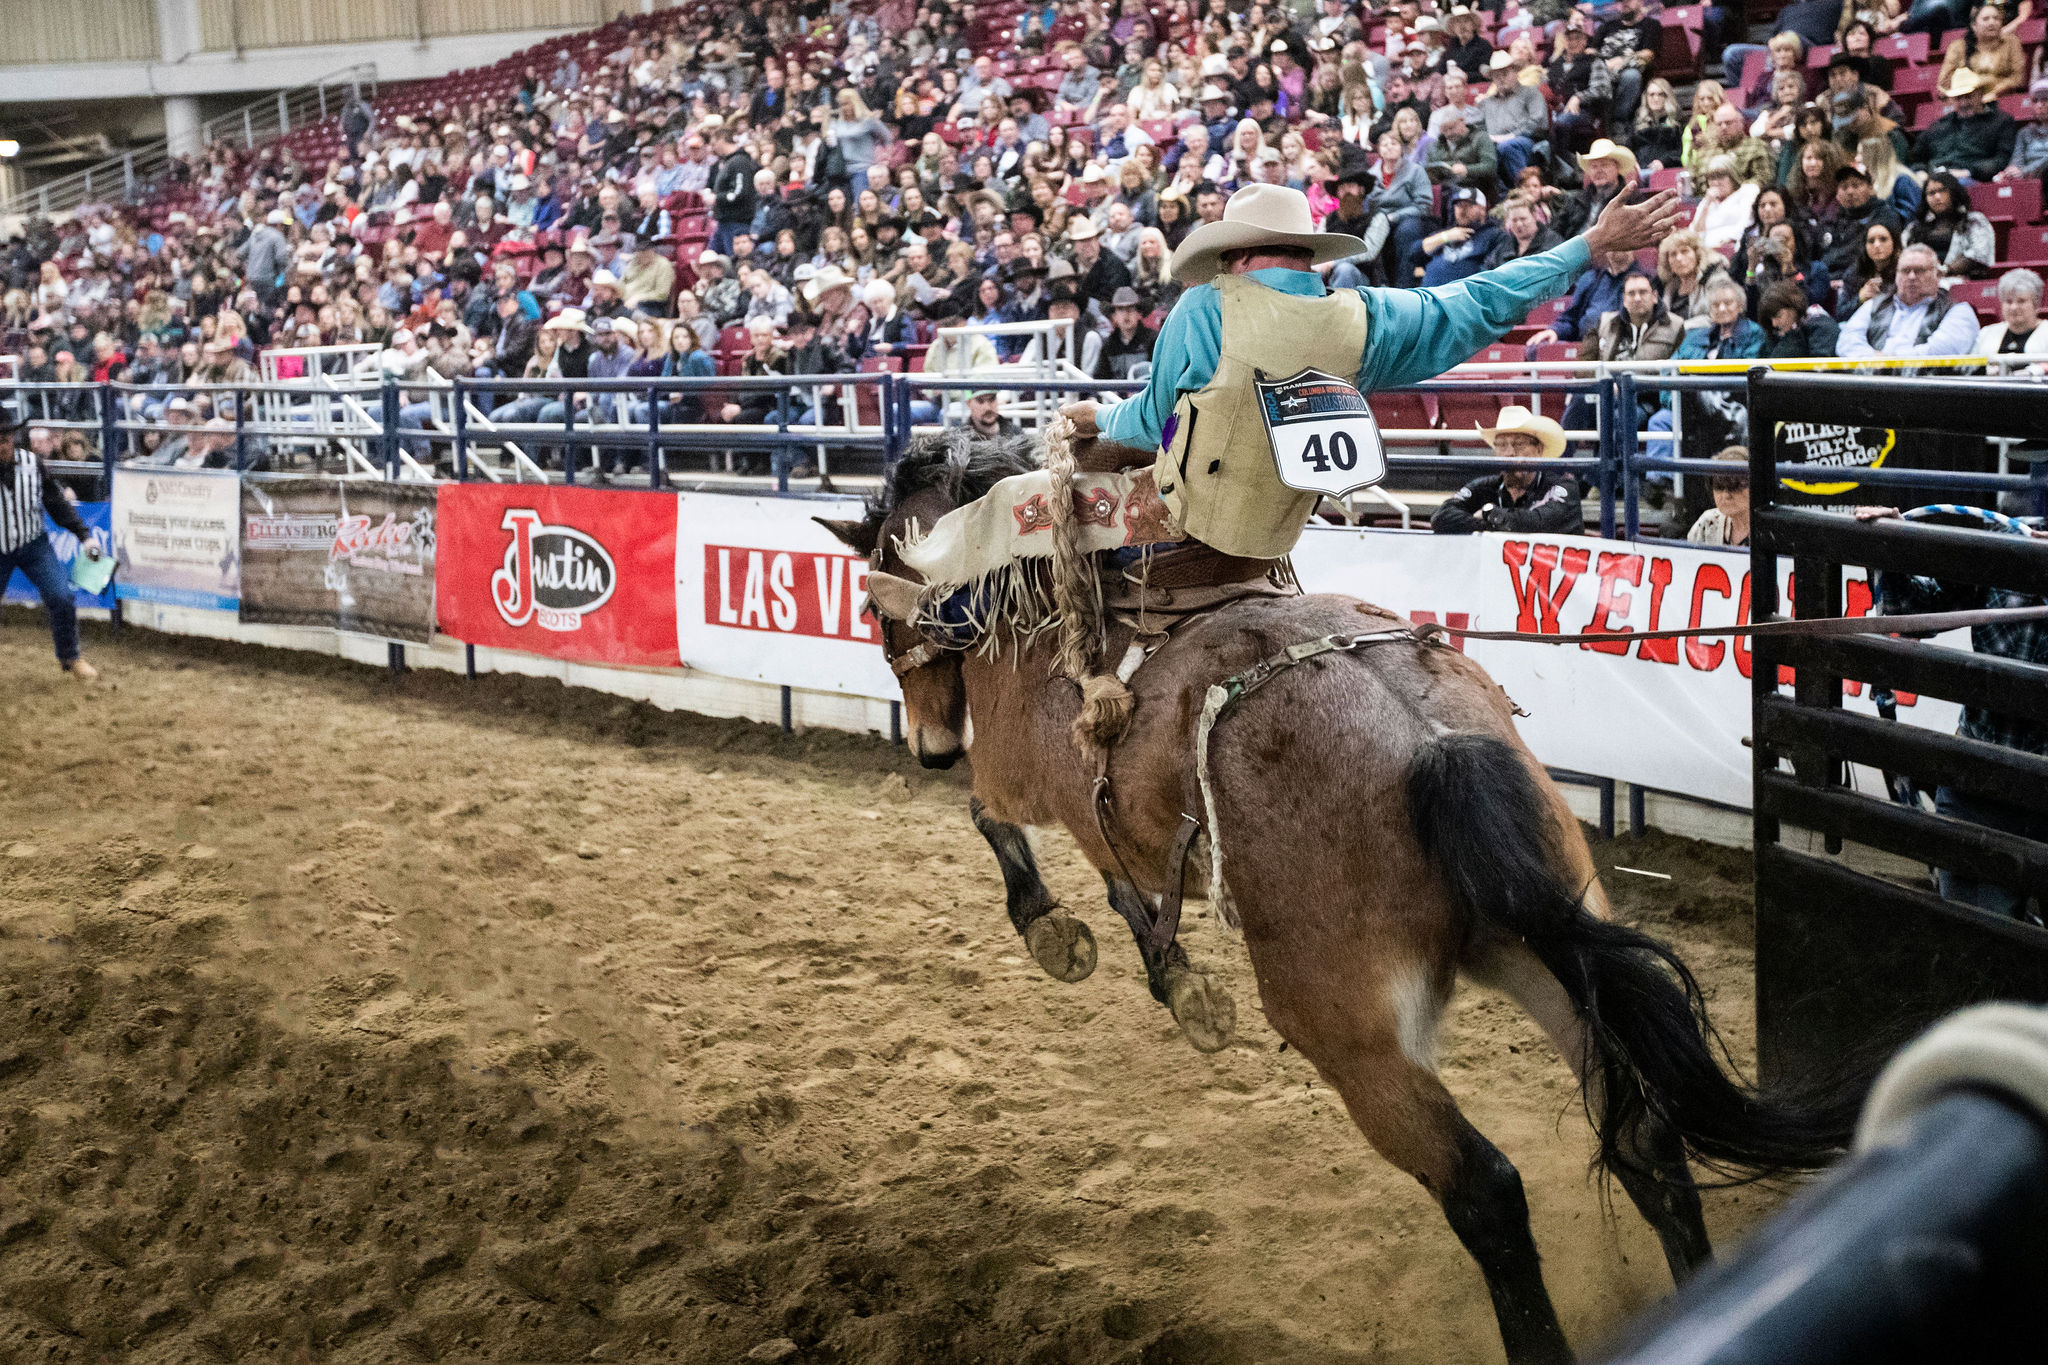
x=1216, y=473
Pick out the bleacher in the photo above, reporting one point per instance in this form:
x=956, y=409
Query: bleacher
x=2016, y=209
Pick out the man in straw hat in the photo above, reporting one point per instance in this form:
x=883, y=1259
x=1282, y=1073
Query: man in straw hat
x=1516, y=499
x=1973, y=139
x=1256, y=308
x=25, y=495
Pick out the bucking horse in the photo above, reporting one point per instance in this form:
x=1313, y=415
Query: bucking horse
x=1380, y=829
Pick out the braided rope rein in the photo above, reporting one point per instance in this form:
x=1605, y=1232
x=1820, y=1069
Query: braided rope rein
x=1077, y=591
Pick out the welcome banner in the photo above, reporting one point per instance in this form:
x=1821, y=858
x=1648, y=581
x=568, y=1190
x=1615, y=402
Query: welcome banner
x=1668, y=714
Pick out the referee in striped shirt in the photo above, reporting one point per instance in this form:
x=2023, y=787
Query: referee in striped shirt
x=24, y=496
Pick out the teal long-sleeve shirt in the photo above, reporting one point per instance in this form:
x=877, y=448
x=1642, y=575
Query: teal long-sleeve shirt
x=1411, y=334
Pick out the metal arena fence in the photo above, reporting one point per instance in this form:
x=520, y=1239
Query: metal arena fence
x=327, y=411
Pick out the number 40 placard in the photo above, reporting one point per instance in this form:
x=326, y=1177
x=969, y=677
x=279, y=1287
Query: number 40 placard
x=1323, y=436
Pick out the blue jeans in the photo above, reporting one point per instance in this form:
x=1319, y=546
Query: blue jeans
x=413, y=418
x=1954, y=886
x=1936, y=16
x=1513, y=154
x=722, y=235
x=39, y=564
x=1628, y=91
x=1732, y=58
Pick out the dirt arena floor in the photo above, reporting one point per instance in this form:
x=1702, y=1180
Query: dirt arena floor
x=345, y=1018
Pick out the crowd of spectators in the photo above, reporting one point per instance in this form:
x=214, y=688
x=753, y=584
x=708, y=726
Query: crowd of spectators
x=779, y=188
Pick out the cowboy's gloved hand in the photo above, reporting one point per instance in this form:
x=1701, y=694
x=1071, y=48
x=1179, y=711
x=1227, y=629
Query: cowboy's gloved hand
x=1631, y=227
x=1082, y=415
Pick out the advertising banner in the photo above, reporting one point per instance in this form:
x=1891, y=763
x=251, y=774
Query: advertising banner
x=763, y=592
x=345, y=554
x=572, y=573
x=98, y=518
x=177, y=537
x=1668, y=714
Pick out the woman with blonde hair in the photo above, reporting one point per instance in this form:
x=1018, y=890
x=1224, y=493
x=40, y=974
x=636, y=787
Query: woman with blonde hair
x=1658, y=136
x=862, y=139
x=1698, y=136
x=51, y=290
x=1686, y=267
x=1247, y=143
x=1152, y=272
x=1152, y=97
x=1889, y=179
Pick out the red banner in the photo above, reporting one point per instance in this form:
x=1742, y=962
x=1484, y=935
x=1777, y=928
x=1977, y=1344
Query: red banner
x=571, y=573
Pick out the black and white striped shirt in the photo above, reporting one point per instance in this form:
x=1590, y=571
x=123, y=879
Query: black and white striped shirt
x=24, y=496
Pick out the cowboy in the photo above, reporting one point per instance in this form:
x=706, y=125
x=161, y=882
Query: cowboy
x=1516, y=499
x=1255, y=308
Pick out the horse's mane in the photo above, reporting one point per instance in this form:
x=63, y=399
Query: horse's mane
x=958, y=463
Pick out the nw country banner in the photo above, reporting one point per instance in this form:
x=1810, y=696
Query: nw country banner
x=572, y=573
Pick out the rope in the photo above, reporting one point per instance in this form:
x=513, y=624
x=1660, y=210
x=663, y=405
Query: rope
x=1917, y=624
x=1076, y=590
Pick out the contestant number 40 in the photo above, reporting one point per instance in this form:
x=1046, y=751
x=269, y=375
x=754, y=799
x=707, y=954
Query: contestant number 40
x=1341, y=453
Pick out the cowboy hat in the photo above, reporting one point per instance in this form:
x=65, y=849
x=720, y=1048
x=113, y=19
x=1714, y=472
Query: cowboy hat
x=1212, y=92
x=1259, y=215
x=825, y=281
x=1082, y=229
x=1515, y=418
x=604, y=277
x=1963, y=82
x=570, y=320
x=1607, y=149
x=1500, y=60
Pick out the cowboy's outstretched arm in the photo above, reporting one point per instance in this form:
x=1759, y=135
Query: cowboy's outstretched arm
x=1417, y=334
x=1185, y=356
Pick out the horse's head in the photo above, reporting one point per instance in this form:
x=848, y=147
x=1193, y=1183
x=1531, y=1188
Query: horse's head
x=937, y=474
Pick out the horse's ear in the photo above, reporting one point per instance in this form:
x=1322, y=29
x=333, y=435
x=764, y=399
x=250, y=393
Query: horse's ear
x=858, y=535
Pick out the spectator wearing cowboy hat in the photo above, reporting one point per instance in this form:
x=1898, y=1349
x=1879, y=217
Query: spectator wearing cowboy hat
x=1973, y=139
x=604, y=300
x=649, y=279
x=26, y=494
x=1538, y=500
x=1100, y=272
x=717, y=291
x=1603, y=169
x=1515, y=116
x=1127, y=350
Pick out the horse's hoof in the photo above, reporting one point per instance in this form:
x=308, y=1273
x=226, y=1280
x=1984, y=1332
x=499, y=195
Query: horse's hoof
x=1203, y=1009
x=1063, y=945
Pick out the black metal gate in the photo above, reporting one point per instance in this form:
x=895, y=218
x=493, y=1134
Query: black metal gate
x=1849, y=962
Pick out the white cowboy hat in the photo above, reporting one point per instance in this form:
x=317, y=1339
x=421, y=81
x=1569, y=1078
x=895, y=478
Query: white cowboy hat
x=1500, y=60
x=1258, y=215
x=1515, y=418
x=825, y=281
x=1212, y=92
x=1082, y=229
x=598, y=277
x=569, y=320
x=1606, y=149
x=1963, y=82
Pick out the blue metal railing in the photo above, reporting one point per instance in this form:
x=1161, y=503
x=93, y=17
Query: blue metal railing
x=111, y=415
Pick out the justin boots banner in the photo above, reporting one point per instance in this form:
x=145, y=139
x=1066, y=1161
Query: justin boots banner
x=572, y=573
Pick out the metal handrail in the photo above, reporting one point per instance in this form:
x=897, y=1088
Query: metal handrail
x=123, y=178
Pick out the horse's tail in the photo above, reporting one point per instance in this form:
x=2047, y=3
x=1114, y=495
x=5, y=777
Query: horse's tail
x=1481, y=814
